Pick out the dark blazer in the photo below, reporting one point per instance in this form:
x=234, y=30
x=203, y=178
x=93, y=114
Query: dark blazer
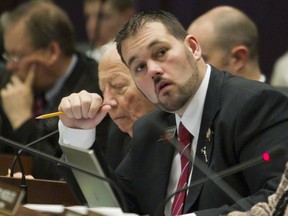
x=118, y=145
x=83, y=76
x=245, y=118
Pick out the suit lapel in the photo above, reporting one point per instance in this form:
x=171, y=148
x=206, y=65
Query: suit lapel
x=159, y=163
x=205, y=140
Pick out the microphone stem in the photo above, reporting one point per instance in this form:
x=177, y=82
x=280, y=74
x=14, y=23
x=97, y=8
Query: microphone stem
x=215, y=178
x=23, y=184
x=12, y=166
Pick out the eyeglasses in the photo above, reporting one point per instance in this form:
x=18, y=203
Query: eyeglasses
x=12, y=58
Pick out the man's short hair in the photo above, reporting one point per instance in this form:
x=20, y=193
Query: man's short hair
x=133, y=25
x=45, y=22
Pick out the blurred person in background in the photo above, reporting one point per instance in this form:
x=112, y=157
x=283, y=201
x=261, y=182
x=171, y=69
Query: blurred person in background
x=279, y=76
x=103, y=19
x=229, y=41
x=40, y=54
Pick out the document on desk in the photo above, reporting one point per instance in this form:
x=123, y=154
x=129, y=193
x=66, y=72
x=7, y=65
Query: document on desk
x=108, y=211
x=81, y=210
x=47, y=208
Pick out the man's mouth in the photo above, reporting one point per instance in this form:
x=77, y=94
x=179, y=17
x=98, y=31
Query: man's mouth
x=161, y=85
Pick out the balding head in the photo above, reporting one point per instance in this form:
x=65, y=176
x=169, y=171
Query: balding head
x=223, y=30
x=110, y=58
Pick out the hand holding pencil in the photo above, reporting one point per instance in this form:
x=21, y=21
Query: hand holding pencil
x=82, y=110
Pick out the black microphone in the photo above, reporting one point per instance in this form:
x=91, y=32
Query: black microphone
x=17, y=155
x=20, y=163
x=217, y=177
x=53, y=159
x=210, y=176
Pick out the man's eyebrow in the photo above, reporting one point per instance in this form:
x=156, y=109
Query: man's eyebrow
x=130, y=61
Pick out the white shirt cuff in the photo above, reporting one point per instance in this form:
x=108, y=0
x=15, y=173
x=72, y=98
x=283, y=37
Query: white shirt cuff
x=76, y=137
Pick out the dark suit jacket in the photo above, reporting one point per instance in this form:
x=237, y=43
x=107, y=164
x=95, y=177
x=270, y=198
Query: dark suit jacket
x=245, y=118
x=83, y=76
x=118, y=145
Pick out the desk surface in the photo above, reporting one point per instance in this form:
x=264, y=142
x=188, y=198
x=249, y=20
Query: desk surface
x=41, y=191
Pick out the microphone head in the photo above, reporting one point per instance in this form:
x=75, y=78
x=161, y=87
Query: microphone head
x=274, y=154
x=266, y=157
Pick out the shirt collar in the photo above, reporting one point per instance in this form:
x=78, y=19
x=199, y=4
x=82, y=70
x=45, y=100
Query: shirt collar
x=262, y=78
x=60, y=82
x=191, y=118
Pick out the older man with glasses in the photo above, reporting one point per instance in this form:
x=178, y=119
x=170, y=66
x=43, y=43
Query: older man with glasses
x=40, y=54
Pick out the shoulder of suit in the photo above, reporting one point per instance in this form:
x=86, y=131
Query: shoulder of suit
x=156, y=119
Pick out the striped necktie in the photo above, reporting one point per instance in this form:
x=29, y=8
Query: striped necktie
x=185, y=139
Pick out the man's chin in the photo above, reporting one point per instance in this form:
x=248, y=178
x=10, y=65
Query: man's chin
x=168, y=107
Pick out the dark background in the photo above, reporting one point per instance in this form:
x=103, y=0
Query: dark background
x=270, y=16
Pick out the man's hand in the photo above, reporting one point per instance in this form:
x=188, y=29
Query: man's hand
x=17, y=99
x=82, y=110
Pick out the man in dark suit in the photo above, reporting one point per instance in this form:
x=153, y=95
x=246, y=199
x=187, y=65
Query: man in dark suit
x=228, y=120
x=40, y=54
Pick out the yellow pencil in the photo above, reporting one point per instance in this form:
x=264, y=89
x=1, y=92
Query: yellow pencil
x=54, y=114
x=49, y=115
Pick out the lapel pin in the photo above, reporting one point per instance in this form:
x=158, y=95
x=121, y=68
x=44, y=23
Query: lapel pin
x=209, y=135
x=204, y=152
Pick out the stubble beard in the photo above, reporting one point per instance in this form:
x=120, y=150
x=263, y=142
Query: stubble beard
x=175, y=100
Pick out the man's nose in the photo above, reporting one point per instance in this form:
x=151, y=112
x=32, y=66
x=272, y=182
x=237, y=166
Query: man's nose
x=10, y=66
x=109, y=99
x=154, y=68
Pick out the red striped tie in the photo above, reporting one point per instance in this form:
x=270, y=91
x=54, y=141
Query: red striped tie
x=185, y=141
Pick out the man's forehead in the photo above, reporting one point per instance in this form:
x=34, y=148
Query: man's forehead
x=150, y=34
x=17, y=39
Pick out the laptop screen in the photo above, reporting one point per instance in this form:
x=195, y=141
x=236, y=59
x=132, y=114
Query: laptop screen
x=97, y=192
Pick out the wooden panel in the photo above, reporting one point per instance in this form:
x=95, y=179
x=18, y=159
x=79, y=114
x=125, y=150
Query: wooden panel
x=6, y=160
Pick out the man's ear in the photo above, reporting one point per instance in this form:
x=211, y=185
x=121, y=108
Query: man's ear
x=239, y=57
x=193, y=44
x=53, y=53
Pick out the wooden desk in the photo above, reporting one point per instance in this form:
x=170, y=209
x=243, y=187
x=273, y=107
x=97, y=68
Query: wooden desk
x=45, y=191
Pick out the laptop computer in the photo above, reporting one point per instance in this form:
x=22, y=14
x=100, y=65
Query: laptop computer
x=96, y=191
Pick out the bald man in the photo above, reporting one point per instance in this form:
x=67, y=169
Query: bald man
x=229, y=41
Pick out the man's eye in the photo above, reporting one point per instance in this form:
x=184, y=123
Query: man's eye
x=161, y=52
x=119, y=89
x=139, y=68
